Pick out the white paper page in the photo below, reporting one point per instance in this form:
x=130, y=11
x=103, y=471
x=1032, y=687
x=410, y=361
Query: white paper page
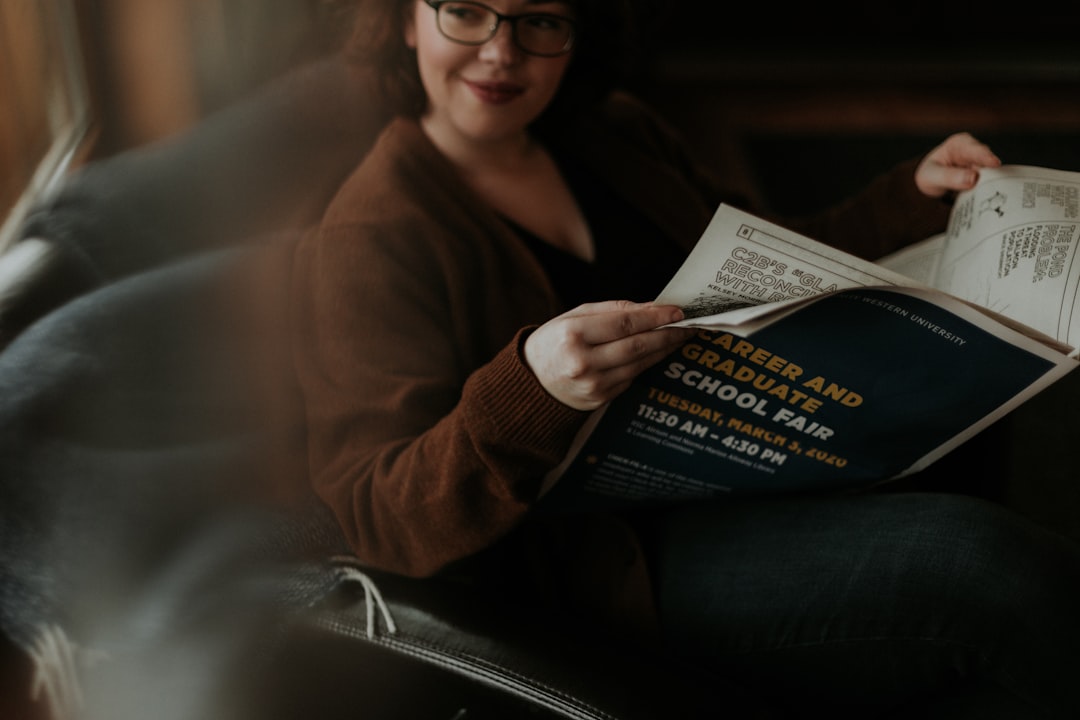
x=1012, y=247
x=748, y=265
x=918, y=261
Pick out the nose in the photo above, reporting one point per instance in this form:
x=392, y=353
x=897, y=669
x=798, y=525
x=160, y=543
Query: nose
x=501, y=48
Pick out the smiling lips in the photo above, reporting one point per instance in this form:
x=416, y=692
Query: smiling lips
x=496, y=93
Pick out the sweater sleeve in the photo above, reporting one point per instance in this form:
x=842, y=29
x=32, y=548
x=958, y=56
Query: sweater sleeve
x=887, y=215
x=425, y=452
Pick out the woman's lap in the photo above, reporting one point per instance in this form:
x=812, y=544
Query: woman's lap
x=875, y=600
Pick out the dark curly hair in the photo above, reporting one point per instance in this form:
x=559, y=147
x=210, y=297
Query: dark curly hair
x=604, y=52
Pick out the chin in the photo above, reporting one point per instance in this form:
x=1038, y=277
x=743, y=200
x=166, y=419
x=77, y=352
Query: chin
x=494, y=130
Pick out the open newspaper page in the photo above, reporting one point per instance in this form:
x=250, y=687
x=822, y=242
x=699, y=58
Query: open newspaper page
x=745, y=272
x=811, y=370
x=1011, y=246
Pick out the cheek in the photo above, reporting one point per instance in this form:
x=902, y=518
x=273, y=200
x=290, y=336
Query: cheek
x=436, y=55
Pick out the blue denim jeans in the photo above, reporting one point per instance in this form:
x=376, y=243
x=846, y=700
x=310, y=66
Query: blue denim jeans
x=878, y=605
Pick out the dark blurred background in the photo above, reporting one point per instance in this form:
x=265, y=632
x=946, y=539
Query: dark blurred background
x=772, y=96
x=770, y=93
x=839, y=93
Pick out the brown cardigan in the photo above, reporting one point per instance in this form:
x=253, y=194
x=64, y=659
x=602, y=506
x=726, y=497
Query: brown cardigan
x=428, y=435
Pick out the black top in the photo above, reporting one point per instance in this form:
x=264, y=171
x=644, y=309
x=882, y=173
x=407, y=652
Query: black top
x=634, y=261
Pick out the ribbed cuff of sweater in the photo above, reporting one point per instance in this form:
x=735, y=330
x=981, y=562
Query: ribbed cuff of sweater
x=511, y=407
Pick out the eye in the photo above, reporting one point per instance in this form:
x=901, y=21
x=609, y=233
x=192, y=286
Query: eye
x=464, y=13
x=545, y=23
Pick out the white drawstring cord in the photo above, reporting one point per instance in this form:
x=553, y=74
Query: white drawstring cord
x=348, y=570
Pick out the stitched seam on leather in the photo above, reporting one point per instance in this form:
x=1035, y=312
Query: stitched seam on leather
x=484, y=670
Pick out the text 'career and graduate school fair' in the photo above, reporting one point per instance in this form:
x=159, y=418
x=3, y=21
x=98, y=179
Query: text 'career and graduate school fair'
x=813, y=369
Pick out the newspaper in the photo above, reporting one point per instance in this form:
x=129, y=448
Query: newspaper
x=1011, y=247
x=815, y=370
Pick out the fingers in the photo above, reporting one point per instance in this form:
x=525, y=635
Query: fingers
x=605, y=322
x=984, y=156
x=954, y=165
x=618, y=332
x=588, y=355
x=935, y=180
x=626, y=359
x=976, y=153
x=962, y=149
x=638, y=351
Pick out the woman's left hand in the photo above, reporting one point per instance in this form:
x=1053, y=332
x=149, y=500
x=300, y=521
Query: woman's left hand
x=953, y=165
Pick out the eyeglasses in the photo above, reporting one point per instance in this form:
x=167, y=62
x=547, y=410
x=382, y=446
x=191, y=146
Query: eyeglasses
x=471, y=23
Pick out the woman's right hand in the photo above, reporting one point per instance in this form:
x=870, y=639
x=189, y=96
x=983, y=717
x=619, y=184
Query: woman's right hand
x=587, y=356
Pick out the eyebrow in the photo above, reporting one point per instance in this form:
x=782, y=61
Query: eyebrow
x=567, y=7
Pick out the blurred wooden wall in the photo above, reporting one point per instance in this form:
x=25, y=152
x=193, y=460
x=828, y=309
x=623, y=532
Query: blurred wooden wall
x=161, y=65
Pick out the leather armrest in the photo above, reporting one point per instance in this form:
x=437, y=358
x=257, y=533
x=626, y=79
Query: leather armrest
x=452, y=654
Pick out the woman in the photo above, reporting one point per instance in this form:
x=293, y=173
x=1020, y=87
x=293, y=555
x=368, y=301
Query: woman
x=481, y=283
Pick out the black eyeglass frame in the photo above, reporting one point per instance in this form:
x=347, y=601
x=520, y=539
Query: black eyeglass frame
x=512, y=19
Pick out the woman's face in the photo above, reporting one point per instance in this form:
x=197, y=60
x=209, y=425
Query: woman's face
x=488, y=92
